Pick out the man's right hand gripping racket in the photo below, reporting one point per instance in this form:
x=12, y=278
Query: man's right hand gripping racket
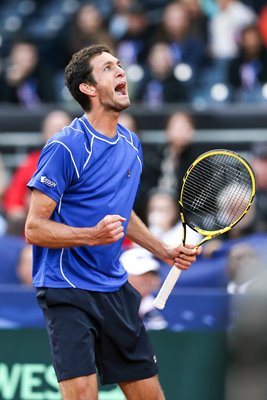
x=217, y=191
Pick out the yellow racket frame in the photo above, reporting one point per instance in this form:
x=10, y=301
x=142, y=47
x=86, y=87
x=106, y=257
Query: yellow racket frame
x=211, y=234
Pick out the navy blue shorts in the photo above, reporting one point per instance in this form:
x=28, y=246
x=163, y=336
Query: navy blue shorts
x=91, y=331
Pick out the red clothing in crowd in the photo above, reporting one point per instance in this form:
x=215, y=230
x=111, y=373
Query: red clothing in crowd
x=263, y=24
x=16, y=195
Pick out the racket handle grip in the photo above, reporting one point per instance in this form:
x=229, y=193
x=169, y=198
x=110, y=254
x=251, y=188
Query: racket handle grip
x=165, y=290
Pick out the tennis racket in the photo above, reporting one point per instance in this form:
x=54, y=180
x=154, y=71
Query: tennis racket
x=216, y=192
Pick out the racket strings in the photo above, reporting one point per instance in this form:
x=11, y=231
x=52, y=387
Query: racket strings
x=203, y=189
x=216, y=192
x=234, y=173
x=238, y=198
x=210, y=168
x=223, y=213
x=236, y=195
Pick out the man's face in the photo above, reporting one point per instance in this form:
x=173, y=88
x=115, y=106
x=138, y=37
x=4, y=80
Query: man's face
x=111, y=85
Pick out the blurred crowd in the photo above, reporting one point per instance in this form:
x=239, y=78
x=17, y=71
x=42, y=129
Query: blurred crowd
x=193, y=51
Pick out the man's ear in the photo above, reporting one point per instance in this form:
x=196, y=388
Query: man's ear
x=87, y=89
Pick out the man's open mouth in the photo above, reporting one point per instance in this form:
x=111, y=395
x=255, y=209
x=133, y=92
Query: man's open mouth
x=120, y=89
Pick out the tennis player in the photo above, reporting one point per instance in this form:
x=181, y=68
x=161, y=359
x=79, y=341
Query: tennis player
x=81, y=208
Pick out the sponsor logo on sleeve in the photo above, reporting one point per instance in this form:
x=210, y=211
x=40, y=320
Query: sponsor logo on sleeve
x=48, y=182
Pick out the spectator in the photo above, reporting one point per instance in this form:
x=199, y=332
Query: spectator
x=179, y=152
x=159, y=84
x=259, y=164
x=226, y=26
x=243, y=267
x=163, y=218
x=133, y=46
x=15, y=260
x=25, y=80
x=248, y=71
x=198, y=19
x=17, y=195
x=165, y=165
x=143, y=275
x=87, y=27
x=117, y=24
x=186, y=46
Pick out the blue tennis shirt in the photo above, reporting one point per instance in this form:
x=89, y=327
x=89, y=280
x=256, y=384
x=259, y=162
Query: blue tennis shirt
x=89, y=176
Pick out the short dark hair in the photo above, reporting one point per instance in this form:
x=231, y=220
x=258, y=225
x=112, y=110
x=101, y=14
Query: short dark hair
x=79, y=70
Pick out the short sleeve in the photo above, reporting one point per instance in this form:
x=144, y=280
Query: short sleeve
x=55, y=171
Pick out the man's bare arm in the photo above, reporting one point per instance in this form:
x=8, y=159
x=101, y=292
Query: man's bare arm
x=41, y=231
x=181, y=256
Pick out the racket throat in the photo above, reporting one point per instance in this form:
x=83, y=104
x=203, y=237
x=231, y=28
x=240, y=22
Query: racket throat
x=205, y=239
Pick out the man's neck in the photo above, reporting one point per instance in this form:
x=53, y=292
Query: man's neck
x=104, y=122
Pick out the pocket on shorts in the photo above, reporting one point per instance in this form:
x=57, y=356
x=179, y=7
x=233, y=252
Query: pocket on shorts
x=41, y=296
x=45, y=298
x=136, y=295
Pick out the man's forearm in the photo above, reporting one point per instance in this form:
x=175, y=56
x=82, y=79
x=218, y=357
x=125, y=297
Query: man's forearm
x=42, y=231
x=139, y=233
x=51, y=234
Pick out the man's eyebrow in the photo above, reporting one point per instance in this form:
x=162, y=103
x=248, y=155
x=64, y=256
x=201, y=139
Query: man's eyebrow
x=116, y=61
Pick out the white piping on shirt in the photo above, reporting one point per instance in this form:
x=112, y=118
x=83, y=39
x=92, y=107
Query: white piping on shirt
x=95, y=136
x=71, y=155
x=61, y=269
x=89, y=152
x=119, y=135
x=131, y=136
x=135, y=148
x=75, y=129
x=62, y=251
x=60, y=203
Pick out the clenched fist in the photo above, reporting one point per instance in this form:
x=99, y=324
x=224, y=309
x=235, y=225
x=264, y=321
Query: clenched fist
x=108, y=230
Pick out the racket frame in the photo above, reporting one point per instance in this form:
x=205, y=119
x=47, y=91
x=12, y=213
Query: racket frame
x=211, y=234
x=174, y=273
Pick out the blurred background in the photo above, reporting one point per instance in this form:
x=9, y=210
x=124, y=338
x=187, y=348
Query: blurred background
x=197, y=76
